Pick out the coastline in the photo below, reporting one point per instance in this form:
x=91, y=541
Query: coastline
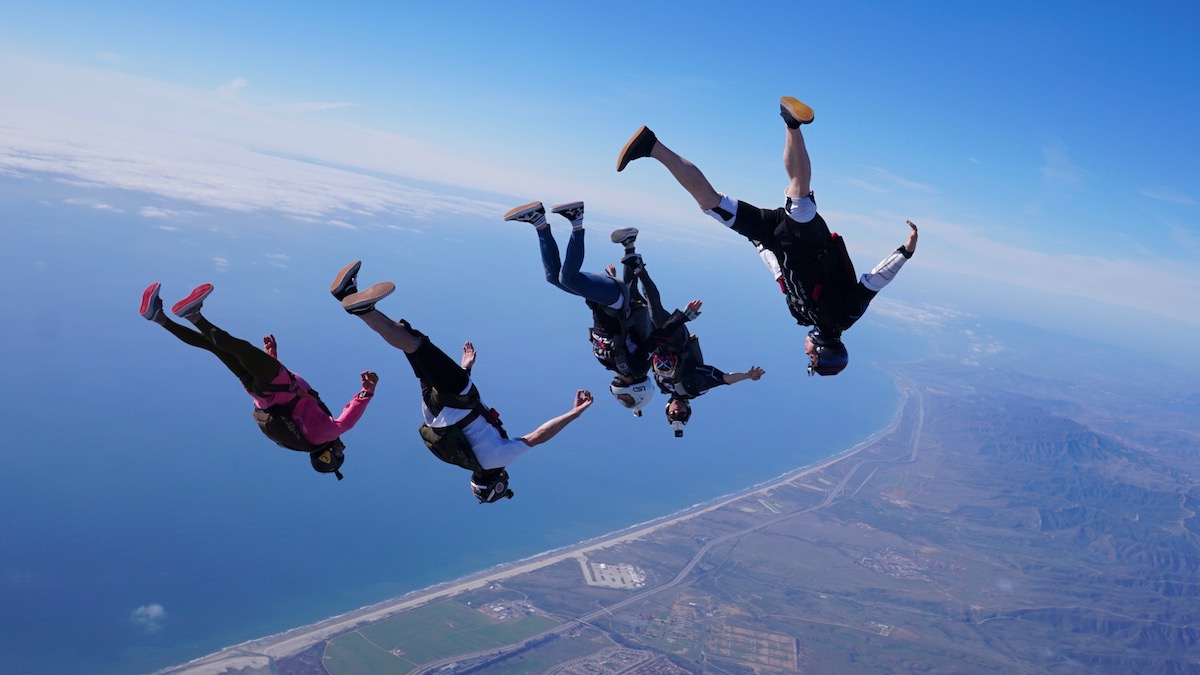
x=261, y=652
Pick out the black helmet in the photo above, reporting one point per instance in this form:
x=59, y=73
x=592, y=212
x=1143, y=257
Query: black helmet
x=830, y=357
x=329, y=458
x=680, y=419
x=490, y=486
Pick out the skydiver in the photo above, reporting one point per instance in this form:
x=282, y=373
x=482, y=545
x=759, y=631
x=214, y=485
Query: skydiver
x=680, y=372
x=623, y=330
x=811, y=265
x=286, y=408
x=458, y=428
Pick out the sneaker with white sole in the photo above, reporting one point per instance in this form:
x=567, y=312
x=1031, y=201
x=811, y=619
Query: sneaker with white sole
x=345, y=283
x=364, y=301
x=532, y=213
x=193, y=302
x=152, y=306
x=794, y=113
x=572, y=211
x=625, y=236
x=637, y=147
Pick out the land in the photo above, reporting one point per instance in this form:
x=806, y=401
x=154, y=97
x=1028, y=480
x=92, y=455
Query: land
x=1011, y=519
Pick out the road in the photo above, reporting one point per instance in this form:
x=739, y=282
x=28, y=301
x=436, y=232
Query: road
x=834, y=495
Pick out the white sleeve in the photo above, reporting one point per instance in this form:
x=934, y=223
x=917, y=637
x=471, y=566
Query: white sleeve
x=770, y=261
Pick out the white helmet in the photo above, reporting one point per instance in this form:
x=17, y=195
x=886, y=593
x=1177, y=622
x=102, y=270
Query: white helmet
x=633, y=396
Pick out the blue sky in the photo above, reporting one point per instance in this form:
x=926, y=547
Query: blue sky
x=1048, y=151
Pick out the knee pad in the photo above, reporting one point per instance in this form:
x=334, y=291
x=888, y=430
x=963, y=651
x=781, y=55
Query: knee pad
x=801, y=209
x=725, y=212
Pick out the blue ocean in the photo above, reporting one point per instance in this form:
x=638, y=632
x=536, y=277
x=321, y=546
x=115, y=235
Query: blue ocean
x=148, y=522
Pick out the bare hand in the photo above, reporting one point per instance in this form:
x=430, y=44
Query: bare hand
x=369, y=380
x=468, y=357
x=694, y=307
x=755, y=373
x=270, y=347
x=911, y=244
x=583, y=399
x=610, y=270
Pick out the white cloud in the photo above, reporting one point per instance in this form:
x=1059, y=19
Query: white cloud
x=222, y=264
x=1169, y=195
x=149, y=617
x=1059, y=171
x=110, y=57
x=155, y=212
x=317, y=107
x=93, y=204
x=279, y=260
x=232, y=88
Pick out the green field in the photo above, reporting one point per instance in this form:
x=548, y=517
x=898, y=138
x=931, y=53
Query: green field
x=426, y=634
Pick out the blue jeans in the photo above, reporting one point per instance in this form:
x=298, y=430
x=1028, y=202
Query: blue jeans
x=566, y=274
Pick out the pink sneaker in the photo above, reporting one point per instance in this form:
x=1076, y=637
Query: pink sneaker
x=193, y=302
x=151, y=303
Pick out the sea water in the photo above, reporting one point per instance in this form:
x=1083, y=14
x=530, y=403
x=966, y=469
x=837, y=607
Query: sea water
x=148, y=522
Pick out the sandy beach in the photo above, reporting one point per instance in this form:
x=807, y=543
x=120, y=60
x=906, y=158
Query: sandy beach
x=256, y=655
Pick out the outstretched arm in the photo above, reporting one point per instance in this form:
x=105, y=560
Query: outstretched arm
x=583, y=399
x=910, y=246
x=753, y=374
x=889, y=267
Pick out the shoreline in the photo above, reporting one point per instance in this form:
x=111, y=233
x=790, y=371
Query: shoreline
x=261, y=652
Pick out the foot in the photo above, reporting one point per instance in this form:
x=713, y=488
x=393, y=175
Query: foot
x=625, y=236
x=364, y=301
x=794, y=113
x=637, y=147
x=468, y=357
x=633, y=261
x=151, y=309
x=345, y=283
x=572, y=211
x=191, y=305
x=533, y=213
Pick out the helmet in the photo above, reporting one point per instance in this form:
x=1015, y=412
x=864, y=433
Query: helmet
x=490, y=486
x=634, y=395
x=829, y=357
x=329, y=458
x=680, y=419
x=664, y=363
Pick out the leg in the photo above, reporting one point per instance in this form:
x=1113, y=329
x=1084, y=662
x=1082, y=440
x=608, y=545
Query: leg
x=551, y=260
x=797, y=164
x=599, y=289
x=645, y=144
x=658, y=314
x=432, y=367
x=688, y=176
x=252, y=360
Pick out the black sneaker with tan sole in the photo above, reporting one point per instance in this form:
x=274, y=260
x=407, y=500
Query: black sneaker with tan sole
x=794, y=113
x=637, y=147
x=364, y=301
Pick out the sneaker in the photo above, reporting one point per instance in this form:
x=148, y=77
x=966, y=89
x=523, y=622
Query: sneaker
x=345, y=283
x=528, y=213
x=639, y=146
x=632, y=260
x=625, y=236
x=572, y=211
x=193, y=302
x=151, y=303
x=794, y=113
x=364, y=301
